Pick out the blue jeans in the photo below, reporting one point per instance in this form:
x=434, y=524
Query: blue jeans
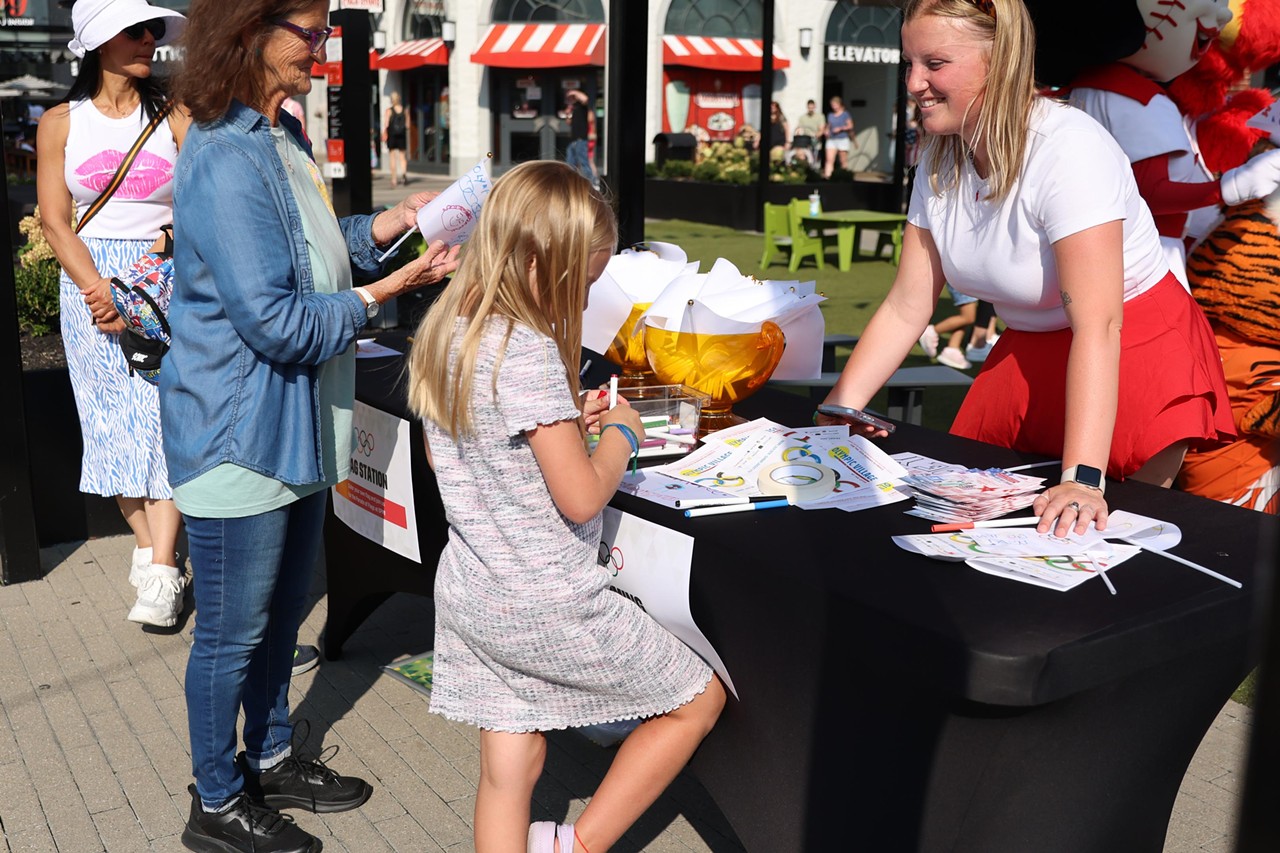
x=251, y=577
x=576, y=156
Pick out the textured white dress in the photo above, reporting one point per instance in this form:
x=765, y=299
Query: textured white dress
x=528, y=635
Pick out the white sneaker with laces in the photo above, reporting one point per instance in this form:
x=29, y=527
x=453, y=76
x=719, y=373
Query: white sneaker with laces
x=139, y=565
x=929, y=341
x=952, y=357
x=159, y=597
x=978, y=354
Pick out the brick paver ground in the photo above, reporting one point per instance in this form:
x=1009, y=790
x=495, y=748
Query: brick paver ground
x=94, y=755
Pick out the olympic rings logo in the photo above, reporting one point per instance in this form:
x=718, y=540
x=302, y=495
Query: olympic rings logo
x=610, y=559
x=721, y=480
x=791, y=454
x=364, y=441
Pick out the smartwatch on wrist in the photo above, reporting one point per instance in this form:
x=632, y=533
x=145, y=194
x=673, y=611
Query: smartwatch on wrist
x=371, y=306
x=1084, y=475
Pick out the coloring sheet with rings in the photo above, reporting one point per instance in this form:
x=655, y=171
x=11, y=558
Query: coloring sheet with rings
x=813, y=468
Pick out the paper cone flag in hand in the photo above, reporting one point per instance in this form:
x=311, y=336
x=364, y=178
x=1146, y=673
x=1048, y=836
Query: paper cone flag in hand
x=451, y=215
x=634, y=277
x=725, y=302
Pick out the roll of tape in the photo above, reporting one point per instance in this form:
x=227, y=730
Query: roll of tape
x=797, y=481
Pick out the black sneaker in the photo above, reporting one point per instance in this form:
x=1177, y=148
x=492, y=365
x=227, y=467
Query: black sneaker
x=305, y=659
x=297, y=783
x=244, y=828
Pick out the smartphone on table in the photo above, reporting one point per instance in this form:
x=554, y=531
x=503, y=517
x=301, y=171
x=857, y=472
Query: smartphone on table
x=856, y=415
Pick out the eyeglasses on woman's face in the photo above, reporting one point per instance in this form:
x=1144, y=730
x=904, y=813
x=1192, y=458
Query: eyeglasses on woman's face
x=155, y=26
x=315, y=39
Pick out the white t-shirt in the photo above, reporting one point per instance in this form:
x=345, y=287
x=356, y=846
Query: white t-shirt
x=1074, y=177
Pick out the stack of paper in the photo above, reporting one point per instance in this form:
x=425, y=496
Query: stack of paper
x=970, y=495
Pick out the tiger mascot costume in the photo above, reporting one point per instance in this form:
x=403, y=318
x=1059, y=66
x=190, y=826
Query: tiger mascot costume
x=1235, y=271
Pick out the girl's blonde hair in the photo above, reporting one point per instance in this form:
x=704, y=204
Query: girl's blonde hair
x=1009, y=93
x=537, y=231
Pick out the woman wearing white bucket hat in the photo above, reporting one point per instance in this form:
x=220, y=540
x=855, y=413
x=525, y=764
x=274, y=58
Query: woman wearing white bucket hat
x=81, y=143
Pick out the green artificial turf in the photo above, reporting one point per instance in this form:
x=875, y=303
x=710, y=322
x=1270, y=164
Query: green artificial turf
x=852, y=297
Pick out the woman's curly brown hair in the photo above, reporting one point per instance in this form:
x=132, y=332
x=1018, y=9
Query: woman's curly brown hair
x=223, y=43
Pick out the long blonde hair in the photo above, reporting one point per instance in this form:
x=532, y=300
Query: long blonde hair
x=1009, y=93
x=537, y=231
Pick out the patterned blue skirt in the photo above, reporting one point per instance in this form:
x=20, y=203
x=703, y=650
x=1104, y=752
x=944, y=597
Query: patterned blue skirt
x=119, y=413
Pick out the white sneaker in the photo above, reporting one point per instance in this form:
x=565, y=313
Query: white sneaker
x=978, y=354
x=159, y=597
x=139, y=565
x=929, y=341
x=952, y=357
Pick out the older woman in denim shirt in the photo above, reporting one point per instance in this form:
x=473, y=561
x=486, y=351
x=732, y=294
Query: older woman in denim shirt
x=256, y=398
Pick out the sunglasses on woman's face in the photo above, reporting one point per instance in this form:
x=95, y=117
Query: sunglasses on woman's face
x=155, y=26
x=315, y=39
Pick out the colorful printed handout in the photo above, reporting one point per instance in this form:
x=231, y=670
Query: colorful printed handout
x=814, y=468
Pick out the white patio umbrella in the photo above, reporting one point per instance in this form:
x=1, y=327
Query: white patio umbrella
x=29, y=85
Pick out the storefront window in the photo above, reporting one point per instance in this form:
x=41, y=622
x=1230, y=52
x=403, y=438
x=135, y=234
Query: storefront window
x=422, y=19
x=712, y=18
x=549, y=11
x=861, y=56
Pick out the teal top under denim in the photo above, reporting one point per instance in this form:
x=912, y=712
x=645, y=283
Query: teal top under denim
x=241, y=383
x=232, y=491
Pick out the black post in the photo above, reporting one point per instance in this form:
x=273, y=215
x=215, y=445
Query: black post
x=624, y=158
x=354, y=192
x=766, y=98
x=19, y=547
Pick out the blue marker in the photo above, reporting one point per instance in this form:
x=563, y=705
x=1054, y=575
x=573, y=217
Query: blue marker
x=721, y=510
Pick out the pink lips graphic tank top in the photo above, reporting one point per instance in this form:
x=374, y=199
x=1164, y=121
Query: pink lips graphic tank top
x=96, y=145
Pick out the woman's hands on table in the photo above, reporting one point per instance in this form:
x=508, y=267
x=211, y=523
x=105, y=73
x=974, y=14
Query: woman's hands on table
x=1070, y=507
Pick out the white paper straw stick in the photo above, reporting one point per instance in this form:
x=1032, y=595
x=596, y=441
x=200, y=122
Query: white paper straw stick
x=1031, y=465
x=396, y=245
x=993, y=522
x=1199, y=568
x=678, y=439
x=1101, y=572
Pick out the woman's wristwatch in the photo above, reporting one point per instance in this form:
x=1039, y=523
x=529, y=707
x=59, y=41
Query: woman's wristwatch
x=371, y=306
x=1084, y=475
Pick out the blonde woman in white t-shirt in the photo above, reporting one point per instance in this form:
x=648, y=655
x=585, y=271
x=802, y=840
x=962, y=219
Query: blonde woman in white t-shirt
x=1106, y=363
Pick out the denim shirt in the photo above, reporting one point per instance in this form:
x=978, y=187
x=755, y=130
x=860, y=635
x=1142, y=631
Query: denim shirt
x=240, y=382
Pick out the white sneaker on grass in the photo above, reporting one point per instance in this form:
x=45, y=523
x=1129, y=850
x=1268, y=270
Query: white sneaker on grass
x=952, y=357
x=159, y=597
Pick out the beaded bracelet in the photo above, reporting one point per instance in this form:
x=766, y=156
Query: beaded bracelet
x=630, y=435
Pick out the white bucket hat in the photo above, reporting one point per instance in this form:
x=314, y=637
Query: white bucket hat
x=96, y=22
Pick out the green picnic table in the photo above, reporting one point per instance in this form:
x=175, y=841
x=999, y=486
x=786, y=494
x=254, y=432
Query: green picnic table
x=849, y=224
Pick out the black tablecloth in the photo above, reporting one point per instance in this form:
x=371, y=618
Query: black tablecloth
x=903, y=703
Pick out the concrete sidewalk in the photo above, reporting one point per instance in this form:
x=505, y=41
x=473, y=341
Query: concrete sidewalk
x=94, y=756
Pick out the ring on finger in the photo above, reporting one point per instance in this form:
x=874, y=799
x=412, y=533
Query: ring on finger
x=1075, y=505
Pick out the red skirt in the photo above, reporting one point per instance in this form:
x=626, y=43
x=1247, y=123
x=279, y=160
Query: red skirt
x=1171, y=385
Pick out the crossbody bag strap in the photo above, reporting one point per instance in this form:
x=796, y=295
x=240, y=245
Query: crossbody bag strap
x=118, y=178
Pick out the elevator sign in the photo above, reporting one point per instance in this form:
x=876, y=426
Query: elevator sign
x=865, y=54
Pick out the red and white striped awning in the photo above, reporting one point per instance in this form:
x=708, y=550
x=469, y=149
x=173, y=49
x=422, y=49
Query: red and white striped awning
x=541, y=45
x=726, y=54
x=414, y=53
